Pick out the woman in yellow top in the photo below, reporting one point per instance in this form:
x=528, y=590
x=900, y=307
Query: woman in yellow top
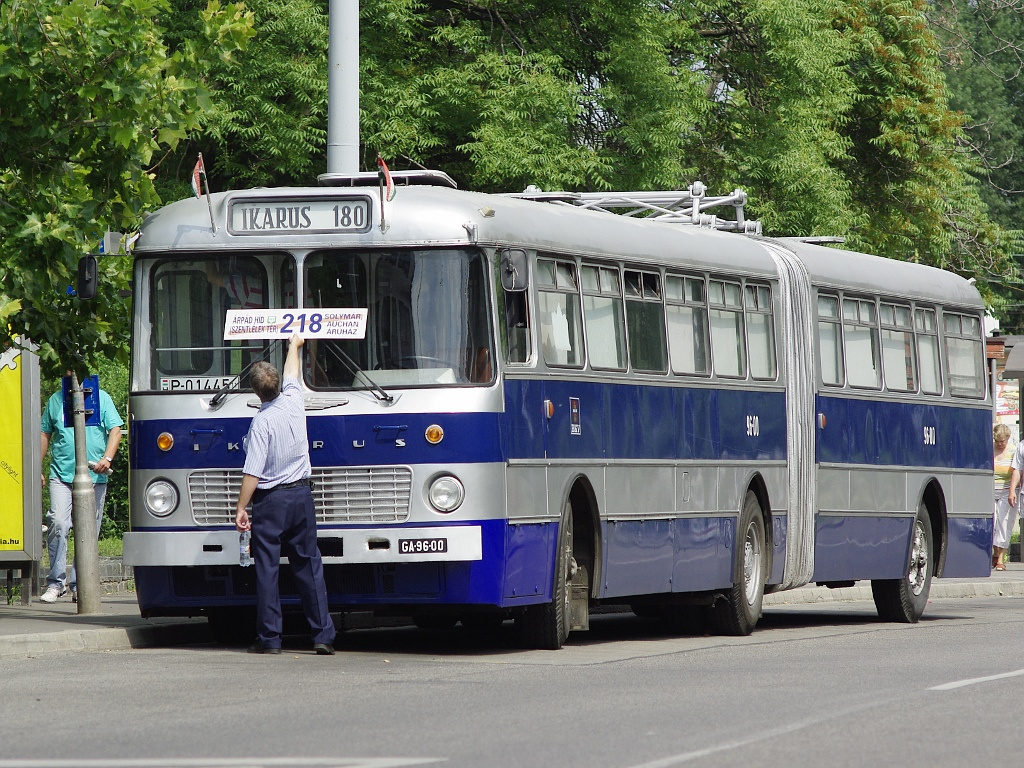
x=1002, y=460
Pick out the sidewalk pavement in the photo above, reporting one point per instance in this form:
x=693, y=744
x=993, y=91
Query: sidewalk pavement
x=30, y=630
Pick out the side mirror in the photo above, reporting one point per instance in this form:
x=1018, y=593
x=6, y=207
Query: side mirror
x=513, y=270
x=88, y=277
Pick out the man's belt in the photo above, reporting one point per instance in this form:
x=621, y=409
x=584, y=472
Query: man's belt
x=293, y=484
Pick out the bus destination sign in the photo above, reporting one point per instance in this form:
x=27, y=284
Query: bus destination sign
x=294, y=216
x=308, y=322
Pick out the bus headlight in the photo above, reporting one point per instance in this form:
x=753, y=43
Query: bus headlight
x=446, y=493
x=161, y=498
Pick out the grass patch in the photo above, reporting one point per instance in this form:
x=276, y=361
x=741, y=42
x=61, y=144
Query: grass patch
x=111, y=547
x=107, y=547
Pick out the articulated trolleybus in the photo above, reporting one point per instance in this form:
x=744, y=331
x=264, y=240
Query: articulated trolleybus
x=559, y=401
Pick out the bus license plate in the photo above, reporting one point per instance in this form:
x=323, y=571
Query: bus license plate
x=422, y=546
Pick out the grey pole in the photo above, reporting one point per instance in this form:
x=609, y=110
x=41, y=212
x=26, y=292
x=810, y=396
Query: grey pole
x=343, y=87
x=83, y=512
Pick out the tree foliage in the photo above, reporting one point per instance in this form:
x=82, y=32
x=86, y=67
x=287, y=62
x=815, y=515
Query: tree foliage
x=834, y=115
x=982, y=52
x=89, y=102
x=908, y=164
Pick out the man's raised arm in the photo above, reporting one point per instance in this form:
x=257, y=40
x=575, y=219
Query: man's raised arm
x=291, y=362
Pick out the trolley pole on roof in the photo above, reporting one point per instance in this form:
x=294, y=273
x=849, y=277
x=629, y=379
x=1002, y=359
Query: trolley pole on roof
x=343, y=87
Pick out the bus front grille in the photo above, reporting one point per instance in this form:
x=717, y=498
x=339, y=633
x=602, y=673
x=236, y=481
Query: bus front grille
x=340, y=495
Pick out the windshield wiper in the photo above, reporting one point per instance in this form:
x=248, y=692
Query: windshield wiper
x=221, y=393
x=353, y=368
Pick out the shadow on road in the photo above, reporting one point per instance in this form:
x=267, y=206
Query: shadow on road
x=607, y=627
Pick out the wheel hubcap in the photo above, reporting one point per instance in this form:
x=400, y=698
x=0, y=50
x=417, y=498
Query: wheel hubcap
x=570, y=567
x=751, y=564
x=918, y=571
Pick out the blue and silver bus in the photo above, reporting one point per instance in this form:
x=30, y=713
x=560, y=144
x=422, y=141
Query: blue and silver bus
x=560, y=401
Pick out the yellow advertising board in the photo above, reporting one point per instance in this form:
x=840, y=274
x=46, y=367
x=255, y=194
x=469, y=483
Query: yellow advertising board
x=12, y=464
x=20, y=494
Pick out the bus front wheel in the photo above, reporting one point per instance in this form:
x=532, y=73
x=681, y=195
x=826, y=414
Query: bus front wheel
x=904, y=600
x=737, y=612
x=546, y=625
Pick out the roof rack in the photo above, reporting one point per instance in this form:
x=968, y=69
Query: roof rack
x=672, y=207
x=400, y=178
x=818, y=239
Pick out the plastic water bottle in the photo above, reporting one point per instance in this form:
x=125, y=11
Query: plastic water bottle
x=108, y=471
x=244, y=557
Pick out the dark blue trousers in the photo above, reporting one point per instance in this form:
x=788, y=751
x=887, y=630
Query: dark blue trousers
x=284, y=522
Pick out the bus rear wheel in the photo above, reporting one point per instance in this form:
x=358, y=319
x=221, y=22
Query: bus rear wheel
x=546, y=625
x=737, y=612
x=904, y=600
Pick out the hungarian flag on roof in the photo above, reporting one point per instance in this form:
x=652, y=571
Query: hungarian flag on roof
x=384, y=174
x=197, y=176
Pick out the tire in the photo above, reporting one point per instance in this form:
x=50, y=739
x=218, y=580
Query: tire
x=738, y=611
x=904, y=600
x=546, y=626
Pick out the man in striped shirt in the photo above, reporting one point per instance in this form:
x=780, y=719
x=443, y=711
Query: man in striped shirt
x=276, y=479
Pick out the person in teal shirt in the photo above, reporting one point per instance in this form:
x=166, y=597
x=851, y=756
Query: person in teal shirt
x=101, y=443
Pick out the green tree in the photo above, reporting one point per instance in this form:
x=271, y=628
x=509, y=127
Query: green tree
x=776, y=99
x=982, y=54
x=909, y=169
x=832, y=114
x=983, y=58
x=267, y=121
x=91, y=100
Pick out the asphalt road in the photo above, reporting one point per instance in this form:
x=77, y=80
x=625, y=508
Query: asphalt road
x=813, y=686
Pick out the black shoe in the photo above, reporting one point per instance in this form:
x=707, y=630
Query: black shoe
x=259, y=647
x=323, y=649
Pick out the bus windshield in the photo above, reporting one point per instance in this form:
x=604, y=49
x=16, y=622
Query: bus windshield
x=188, y=301
x=428, y=321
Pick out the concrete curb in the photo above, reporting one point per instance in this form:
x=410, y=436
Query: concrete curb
x=105, y=639
x=940, y=591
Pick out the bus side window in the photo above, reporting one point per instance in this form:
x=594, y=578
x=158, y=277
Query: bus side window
x=686, y=311
x=860, y=336
x=760, y=331
x=928, y=351
x=645, y=319
x=965, y=354
x=602, y=312
x=727, y=338
x=898, y=348
x=830, y=341
x=517, y=328
x=558, y=309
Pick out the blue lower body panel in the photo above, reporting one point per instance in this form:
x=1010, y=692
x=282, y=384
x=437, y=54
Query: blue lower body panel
x=180, y=589
x=877, y=547
x=650, y=557
x=969, y=551
x=691, y=554
x=861, y=547
x=516, y=569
